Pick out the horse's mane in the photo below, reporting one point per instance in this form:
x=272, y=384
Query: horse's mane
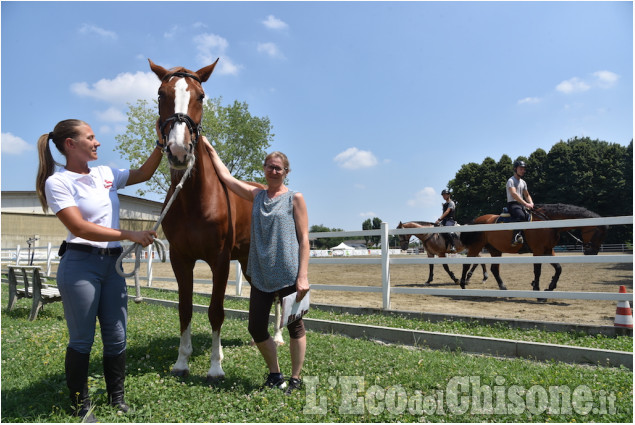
x=565, y=209
x=421, y=223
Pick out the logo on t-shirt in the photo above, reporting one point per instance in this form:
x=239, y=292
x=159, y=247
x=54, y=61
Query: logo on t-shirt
x=107, y=184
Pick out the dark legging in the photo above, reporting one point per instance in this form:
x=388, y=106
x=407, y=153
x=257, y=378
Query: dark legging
x=516, y=211
x=259, y=309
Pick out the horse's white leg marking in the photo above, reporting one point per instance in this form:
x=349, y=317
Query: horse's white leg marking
x=185, y=351
x=215, y=369
x=277, y=336
x=176, y=138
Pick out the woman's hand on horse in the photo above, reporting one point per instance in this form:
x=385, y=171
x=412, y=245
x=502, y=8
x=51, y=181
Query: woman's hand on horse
x=208, y=145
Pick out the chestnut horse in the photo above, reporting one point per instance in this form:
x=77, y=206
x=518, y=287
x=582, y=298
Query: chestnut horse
x=205, y=221
x=434, y=244
x=539, y=241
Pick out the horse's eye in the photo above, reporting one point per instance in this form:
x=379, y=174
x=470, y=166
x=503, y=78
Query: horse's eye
x=201, y=98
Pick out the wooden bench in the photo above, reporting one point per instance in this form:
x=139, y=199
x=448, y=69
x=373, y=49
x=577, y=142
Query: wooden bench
x=36, y=290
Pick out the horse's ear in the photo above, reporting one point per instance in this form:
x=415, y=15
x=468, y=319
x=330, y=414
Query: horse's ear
x=158, y=70
x=204, y=73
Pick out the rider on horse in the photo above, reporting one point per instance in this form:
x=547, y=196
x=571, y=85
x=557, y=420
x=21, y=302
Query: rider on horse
x=518, y=199
x=447, y=219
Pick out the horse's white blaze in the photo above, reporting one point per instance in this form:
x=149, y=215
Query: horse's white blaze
x=215, y=369
x=185, y=351
x=176, y=138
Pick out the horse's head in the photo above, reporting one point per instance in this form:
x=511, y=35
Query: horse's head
x=592, y=238
x=404, y=240
x=181, y=110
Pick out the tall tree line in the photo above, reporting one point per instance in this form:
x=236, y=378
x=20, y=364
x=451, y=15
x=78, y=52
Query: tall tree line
x=589, y=173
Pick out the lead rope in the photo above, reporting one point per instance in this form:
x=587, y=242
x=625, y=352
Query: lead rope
x=158, y=244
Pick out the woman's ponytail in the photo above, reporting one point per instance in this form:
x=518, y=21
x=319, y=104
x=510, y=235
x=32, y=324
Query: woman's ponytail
x=45, y=169
x=63, y=130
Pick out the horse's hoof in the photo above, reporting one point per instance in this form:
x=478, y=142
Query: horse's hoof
x=181, y=373
x=214, y=380
x=457, y=282
x=462, y=285
x=502, y=287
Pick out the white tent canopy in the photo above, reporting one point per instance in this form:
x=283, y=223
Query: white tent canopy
x=343, y=247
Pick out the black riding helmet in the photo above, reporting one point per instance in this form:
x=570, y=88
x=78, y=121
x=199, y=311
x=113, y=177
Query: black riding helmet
x=519, y=163
x=445, y=192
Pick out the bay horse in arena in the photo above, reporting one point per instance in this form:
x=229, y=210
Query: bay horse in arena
x=541, y=242
x=205, y=221
x=435, y=244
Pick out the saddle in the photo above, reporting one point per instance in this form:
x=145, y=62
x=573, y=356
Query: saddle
x=505, y=217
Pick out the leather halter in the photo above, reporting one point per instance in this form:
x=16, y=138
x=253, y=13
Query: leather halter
x=195, y=128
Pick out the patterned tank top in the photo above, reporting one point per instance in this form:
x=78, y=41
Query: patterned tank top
x=274, y=252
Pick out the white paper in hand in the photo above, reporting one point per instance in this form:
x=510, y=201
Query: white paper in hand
x=292, y=310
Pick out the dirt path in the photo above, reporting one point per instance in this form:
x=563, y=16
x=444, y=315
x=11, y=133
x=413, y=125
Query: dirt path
x=602, y=277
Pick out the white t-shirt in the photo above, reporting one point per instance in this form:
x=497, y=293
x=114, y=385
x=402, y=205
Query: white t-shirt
x=95, y=194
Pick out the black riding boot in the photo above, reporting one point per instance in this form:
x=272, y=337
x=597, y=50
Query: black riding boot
x=115, y=375
x=518, y=238
x=76, y=367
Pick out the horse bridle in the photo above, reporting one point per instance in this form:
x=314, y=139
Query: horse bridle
x=195, y=128
x=544, y=217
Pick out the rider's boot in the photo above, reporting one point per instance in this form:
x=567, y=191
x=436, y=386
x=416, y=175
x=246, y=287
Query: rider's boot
x=518, y=238
x=452, y=246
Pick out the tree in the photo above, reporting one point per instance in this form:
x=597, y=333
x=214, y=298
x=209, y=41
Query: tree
x=324, y=243
x=240, y=139
x=373, y=224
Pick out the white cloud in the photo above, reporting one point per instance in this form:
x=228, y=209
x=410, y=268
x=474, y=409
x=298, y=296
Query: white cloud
x=353, y=159
x=14, y=145
x=112, y=114
x=107, y=129
x=368, y=214
x=212, y=46
x=606, y=79
x=274, y=23
x=426, y=197
x=573, y=85
x=270, y=49
x=124, y=88
x=171, y=32
x=92, y=29
x=530, y=100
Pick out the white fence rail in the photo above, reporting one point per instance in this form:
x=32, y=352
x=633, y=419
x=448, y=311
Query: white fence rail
x=48, y=256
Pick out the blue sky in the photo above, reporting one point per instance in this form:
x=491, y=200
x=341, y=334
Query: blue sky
x=377, y=104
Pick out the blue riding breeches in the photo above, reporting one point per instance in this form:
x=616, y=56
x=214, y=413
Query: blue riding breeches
x=91, y=289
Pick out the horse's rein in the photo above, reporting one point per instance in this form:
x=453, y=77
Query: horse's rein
x=545, y=218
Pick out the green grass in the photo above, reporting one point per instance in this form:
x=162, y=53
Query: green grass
x=34, y=390
x=501, y=331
